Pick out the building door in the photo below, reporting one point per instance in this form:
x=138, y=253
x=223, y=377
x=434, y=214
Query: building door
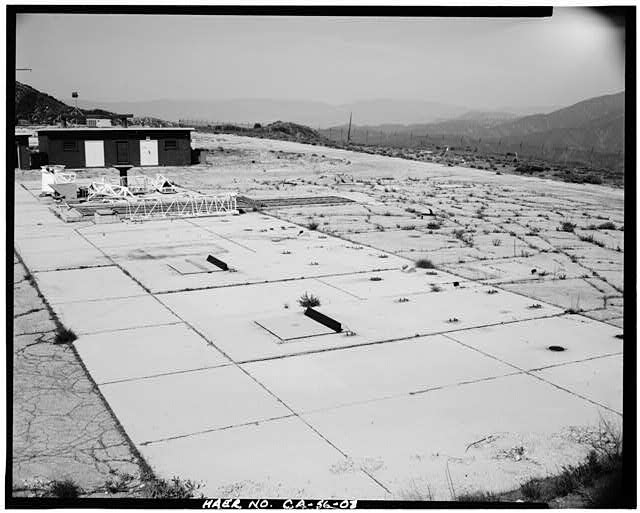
x=122, y=152
x=148, y=152
x=94, y=153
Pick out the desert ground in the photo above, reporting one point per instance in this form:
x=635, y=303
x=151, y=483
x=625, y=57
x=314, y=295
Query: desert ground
x=451, y=285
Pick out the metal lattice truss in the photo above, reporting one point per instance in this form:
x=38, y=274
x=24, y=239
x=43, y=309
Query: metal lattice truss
x=141, y=208
x=115, y=188
x=108, y=191
x=140, y=184
x=163, y=185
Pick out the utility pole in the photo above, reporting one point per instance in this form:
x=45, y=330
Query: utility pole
x=349, y=132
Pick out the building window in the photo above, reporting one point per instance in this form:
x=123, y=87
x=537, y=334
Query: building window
x=171, y=144
x=70, y=146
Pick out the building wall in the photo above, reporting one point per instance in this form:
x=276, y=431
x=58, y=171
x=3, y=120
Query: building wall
x=22, y=156
x=43, y=144
x=58, y=155
x=25, y=157
x=53, y=143
x=181, y=156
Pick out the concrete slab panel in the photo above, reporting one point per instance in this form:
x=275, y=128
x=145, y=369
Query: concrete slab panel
x=278, y=459
x=113, y=314
x=63, y=241
x=519, y=268
x=611, y=312
x=336, y=378
x=61, y=260
x=37, y=226
x=390, y=283
x=181, y=404
x=115, y=238
x=142, y=352
x=63, y=250
x=573, y=294
x=619, y=322
x=400, y=241
x=614, y=278
x=87, y=284
x=40, y=216
x=468, y=430
x=599, y=379
x=525, y=344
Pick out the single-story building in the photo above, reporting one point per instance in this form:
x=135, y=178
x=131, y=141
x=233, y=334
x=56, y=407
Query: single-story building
x=104, y=147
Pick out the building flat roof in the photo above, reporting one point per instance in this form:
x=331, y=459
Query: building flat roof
x=112, y=129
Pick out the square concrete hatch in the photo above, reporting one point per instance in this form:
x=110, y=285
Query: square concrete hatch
x=194, y=265
x=293, y=326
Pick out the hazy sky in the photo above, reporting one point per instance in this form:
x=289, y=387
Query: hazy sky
x=478, y=63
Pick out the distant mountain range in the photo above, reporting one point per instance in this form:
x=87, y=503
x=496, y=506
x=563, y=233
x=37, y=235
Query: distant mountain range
x=595, y=124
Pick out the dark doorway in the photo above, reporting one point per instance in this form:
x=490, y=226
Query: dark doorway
x=122, y=152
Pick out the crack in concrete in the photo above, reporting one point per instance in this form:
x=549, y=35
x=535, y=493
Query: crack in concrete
x=61, y=427
x=28, y=312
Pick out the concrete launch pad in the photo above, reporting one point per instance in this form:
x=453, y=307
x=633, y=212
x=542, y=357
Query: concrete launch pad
x=218, y=376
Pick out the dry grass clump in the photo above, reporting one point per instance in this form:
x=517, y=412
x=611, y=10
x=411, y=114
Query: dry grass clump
x=607, y=226
x=425, y=263
x=175, y=488
x=567, y=226
x=65, y=489
x=308, y=300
